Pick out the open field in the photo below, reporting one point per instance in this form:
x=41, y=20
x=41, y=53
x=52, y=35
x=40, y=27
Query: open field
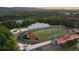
x=44, y=34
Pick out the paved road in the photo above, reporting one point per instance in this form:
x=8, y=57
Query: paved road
x=31, y=47
x=52, y=43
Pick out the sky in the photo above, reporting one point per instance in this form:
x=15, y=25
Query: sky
x=39, y=3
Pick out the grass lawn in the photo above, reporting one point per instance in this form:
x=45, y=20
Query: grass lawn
x=19, y=21
x=44, y=34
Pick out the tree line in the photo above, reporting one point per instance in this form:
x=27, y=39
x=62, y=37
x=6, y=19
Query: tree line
x=55, y=17
x=71, y=21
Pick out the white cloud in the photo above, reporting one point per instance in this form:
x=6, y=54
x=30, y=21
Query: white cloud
x=39, y=3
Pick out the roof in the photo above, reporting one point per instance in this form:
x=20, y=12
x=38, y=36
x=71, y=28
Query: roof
x=71, y=37
x=38, y=26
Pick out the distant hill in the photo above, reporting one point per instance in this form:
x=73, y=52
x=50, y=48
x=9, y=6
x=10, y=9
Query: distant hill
x=6, y=10
x=29, y=10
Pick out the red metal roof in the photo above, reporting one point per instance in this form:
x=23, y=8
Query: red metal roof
x=71, y=37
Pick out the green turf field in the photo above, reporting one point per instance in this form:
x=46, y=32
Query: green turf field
x=44, y=34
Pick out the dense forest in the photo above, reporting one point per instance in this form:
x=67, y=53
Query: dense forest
x=22, y=17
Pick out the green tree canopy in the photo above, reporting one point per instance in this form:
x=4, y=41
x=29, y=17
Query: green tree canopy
x=7, y=40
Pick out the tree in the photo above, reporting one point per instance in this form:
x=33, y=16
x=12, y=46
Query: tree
x=10, y=24
x=7, y=40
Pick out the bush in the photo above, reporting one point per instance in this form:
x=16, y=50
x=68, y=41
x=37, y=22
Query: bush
x=63, y=45
x=71, y=42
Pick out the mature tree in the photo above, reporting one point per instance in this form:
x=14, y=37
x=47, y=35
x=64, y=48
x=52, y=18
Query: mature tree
x=7, y=40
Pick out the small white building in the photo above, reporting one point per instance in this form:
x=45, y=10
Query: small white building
x=38, y=26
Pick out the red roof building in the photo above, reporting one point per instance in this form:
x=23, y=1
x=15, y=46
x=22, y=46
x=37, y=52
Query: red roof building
x=63, y=40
